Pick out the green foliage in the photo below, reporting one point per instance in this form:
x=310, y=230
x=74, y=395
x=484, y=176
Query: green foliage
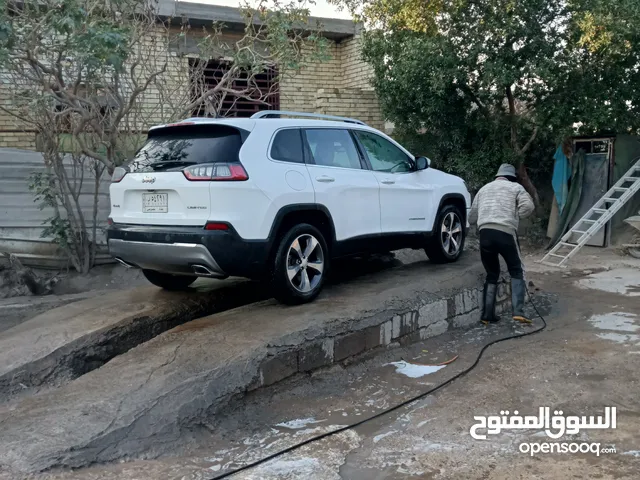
x=44, y=188
x=503, y=80
x=96, y=38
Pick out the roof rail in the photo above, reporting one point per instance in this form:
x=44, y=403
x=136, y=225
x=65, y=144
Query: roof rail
x=269, y=113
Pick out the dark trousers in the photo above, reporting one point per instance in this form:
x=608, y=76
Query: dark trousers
x=495, y=243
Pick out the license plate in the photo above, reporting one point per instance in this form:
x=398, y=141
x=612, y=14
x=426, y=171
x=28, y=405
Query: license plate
x=155, y=203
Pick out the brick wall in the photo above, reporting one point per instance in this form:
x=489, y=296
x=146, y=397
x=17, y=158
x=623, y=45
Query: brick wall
x=339, y=86
x=13, y=132
x=355, y=72
x=350, y=102
x=298, y=92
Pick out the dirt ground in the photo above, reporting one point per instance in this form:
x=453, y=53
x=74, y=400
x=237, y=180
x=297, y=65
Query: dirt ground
x=587, y=359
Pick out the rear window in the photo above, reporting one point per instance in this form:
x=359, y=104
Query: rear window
x=287, y=146
x=174, y=148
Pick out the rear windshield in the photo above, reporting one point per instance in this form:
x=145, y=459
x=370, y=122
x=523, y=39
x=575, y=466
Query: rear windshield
x=174, y=148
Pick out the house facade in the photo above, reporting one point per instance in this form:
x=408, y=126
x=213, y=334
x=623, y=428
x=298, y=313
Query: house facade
x=339, y=86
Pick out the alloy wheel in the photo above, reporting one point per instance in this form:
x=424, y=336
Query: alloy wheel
x=451, y=233
x=305, y=263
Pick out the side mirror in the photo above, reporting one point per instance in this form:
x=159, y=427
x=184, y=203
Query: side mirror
x=422, y=163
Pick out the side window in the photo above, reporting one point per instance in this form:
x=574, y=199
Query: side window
x=332, y=148
x=384, y=155
x=287, y=146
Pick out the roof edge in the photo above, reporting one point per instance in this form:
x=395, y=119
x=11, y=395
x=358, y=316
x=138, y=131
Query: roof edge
x=333, y=28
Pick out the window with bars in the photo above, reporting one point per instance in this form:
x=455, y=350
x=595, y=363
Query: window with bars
x=263, y=86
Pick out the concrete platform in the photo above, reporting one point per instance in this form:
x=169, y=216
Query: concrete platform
x=143, y=401
x=69, y=341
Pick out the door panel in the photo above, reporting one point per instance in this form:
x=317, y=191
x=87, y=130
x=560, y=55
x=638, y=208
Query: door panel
x=405, y=194
x=404, y=201
x=349, y=192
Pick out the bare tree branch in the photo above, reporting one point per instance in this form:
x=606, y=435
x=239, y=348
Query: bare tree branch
x=98, y=81
x=524, y=149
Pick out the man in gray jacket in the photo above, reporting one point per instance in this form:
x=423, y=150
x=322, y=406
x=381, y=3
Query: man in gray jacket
x=496, y=210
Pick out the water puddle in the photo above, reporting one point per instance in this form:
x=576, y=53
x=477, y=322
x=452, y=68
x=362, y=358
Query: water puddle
x=299, y=423
x=625, y=281
x=619, y=327
x=412, y=370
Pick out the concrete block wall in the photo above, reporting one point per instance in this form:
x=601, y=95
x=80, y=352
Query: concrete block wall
x=427, y=319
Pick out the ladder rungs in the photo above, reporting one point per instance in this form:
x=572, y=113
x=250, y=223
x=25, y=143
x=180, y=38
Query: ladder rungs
x=603, y=209
x=547, y=262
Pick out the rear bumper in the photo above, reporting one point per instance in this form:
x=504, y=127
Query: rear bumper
x=178, y=258
x=188, y=250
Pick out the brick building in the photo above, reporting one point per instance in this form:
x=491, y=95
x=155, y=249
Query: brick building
x=339, y=86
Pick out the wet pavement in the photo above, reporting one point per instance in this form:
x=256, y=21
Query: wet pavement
x=147, y=400
x=586, y=360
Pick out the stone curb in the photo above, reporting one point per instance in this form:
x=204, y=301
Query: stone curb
x=428, y=319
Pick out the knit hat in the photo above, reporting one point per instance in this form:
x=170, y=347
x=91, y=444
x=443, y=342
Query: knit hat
x=506, y=170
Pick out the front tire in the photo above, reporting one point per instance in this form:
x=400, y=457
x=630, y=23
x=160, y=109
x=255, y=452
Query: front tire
x=447, y=243
x=300, y=265
x=168, y=281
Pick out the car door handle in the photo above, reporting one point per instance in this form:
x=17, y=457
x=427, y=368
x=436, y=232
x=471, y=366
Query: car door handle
x=388, y=182
x=325, y=179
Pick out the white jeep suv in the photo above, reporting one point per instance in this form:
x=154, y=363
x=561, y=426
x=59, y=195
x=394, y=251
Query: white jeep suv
x=277, y=199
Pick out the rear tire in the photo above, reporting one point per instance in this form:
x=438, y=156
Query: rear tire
x=300, y=265
x=169, y=281
x=447, y=243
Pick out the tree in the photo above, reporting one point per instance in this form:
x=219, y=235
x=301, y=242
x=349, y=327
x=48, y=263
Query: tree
x=92, y=76
x=488, y=79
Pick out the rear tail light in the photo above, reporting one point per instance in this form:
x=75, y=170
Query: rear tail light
x=212, y=172
x=118, y=174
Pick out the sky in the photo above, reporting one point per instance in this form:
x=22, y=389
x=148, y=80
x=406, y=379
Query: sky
x=321, y=9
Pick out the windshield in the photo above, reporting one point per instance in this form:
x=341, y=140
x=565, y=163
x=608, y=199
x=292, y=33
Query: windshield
x=176, y=148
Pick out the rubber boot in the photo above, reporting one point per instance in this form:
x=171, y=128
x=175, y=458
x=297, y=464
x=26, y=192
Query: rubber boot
x=518, y=291
x=489, y=304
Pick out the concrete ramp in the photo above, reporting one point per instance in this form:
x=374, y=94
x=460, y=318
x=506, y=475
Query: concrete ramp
x=67, y=342
x=141, y=402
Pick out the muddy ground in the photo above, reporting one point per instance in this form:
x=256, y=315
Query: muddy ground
x=587, y=359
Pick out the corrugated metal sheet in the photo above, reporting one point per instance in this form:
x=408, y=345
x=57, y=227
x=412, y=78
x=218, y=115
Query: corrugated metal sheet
x=22, y=221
